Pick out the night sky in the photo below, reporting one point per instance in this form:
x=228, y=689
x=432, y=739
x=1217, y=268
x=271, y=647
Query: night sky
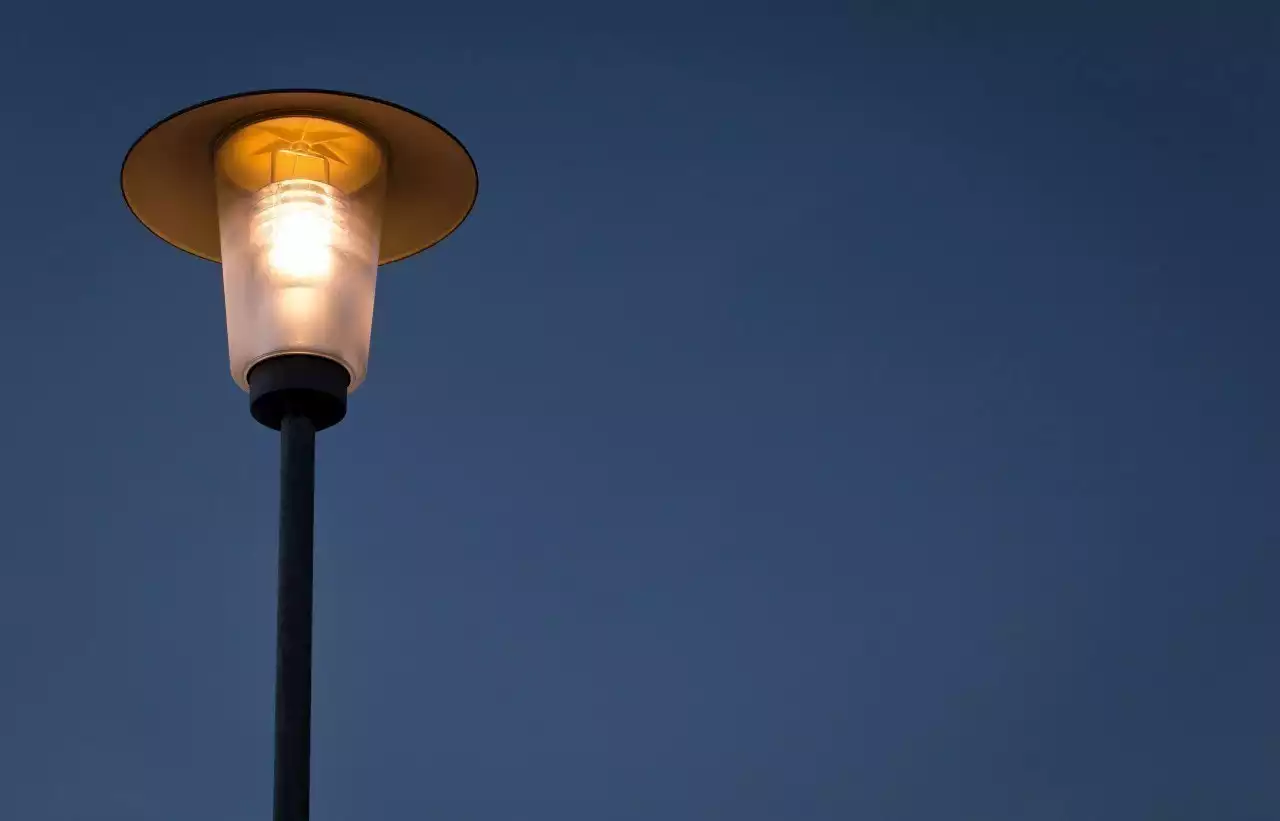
x=845, y=411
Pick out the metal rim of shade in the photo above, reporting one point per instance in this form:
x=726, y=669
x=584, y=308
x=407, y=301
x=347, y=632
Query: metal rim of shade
x=168, y=181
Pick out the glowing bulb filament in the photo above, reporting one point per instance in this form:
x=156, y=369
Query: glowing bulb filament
x=300, y=226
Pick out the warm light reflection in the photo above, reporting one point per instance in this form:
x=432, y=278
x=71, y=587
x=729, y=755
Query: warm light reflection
x=299, y=306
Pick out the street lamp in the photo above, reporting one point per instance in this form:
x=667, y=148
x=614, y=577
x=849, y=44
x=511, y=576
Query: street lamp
x=301, y=195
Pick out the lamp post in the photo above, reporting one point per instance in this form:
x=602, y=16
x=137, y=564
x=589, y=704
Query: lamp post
x=301, y=195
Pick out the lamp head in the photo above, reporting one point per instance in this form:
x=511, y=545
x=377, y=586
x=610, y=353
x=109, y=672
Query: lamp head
x=301, y=195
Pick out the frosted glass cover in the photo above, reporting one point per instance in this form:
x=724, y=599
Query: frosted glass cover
x=299, y=253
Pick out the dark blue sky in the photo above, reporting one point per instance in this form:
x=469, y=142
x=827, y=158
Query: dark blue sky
x=861, y=411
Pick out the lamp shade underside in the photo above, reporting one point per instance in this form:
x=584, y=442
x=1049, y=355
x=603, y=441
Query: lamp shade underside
x=168, y=176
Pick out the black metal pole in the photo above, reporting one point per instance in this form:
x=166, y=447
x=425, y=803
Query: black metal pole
x=293, y=620
x=296, y=395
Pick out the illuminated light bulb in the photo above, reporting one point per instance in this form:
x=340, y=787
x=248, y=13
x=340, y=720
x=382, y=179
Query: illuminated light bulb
x=300, y=226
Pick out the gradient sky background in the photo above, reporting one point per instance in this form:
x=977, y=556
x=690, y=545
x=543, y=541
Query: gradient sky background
x=830, y=411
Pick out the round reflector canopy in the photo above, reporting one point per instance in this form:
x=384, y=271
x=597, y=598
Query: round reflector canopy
x=168, y=175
